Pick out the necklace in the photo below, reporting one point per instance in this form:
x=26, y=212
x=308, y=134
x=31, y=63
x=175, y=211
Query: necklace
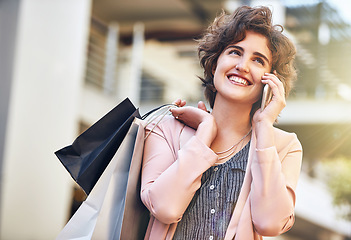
x=232, y=149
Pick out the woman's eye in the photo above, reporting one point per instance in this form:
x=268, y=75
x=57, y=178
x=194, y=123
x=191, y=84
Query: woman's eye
x=234, y=52
x=259, y=60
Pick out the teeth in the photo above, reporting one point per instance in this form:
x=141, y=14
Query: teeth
x=238, y=80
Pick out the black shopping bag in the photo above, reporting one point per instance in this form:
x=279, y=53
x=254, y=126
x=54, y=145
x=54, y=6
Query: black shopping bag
x=113, y=209
x=91, y=152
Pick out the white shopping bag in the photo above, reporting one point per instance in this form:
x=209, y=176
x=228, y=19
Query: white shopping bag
x=113, y=209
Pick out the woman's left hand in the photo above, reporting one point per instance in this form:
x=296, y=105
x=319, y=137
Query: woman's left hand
x=276, y=105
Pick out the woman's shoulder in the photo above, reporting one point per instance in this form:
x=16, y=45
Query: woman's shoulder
x=164, y=122
x=167, y=126
x=286, y=139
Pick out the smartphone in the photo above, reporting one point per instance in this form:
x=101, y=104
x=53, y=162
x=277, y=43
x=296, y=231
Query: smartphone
x=266, y=96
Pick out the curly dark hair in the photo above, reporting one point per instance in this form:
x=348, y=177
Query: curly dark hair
x=228, y=29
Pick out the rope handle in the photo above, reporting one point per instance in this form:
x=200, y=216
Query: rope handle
x=159, y=112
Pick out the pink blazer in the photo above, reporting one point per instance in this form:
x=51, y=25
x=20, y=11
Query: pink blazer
x=173, y=163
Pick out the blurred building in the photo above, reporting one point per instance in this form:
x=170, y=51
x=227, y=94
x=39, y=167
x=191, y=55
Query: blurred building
x=66, y=63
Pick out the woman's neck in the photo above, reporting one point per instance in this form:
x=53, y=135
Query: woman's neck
x=233, y=122
x=234, y=116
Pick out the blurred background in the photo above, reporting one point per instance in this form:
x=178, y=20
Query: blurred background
x=64, y=64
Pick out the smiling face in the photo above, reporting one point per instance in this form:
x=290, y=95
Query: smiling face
x=240, y=68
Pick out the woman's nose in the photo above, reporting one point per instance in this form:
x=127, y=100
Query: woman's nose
x=242, y=67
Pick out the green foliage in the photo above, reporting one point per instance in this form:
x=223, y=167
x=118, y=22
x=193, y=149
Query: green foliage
x=339, y=180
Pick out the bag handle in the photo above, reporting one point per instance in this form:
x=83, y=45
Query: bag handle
x=159, y=112
x=157, y=109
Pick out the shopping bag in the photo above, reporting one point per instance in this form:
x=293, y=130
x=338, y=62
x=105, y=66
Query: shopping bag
x=123, y=215
x=92, y=151
x=113, y=209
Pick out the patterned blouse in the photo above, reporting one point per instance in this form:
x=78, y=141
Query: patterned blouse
x=210, y=210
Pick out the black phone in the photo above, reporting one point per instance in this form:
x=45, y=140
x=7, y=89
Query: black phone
x=266, y=96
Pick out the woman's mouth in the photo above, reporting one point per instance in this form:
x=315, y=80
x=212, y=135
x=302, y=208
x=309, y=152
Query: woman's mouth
x=238, y=80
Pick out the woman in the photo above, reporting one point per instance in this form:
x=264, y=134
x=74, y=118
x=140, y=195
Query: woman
x=228, y=174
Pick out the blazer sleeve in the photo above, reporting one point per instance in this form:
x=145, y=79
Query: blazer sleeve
x=274, y=181
x=170, y=177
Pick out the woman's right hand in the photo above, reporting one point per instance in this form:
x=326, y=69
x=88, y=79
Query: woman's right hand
x=198, y=119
